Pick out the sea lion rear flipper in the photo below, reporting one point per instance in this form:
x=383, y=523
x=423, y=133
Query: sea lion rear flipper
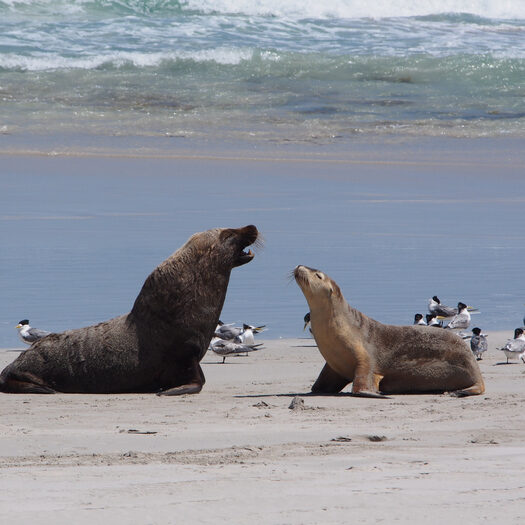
x=474, y=390
x=23, y=383
x=329, y=382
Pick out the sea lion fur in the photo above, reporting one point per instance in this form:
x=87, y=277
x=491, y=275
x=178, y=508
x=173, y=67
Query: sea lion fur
x=157, y=346
x=378, y=358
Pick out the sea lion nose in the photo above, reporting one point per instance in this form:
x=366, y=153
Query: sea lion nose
x=298, y=270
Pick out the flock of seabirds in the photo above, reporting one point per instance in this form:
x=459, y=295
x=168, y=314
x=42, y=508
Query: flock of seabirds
x=459, y=320
x=228, y=339
x=231, y=340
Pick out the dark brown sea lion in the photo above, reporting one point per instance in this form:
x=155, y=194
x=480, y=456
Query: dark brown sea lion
x=382, y=358
x=156, y=347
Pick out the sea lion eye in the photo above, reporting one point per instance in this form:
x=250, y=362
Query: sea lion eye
x=319, y=276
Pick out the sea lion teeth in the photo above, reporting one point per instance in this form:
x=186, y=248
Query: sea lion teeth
x=382, y=358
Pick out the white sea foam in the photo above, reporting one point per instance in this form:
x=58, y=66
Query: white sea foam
x=46, y=7
x=224, y=56
x=503, y=9
x=295, y=9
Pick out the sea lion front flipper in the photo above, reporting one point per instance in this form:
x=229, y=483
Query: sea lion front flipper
x=191, y=388
x=192, y=381
x=329, y=382
x=375, y=393
x=364, y=393
x=366, y=383
x=377, y=379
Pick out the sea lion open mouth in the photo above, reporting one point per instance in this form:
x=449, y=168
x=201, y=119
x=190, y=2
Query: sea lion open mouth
x=245, y=257
x=248, y=235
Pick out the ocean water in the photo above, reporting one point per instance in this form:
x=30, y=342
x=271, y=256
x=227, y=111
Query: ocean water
x=269, y=71
x=78, y=236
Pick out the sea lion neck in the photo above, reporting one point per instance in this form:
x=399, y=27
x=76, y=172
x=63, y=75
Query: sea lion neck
x=320, y=303
x=167, y=295
x=333, y=306
x=193, y=279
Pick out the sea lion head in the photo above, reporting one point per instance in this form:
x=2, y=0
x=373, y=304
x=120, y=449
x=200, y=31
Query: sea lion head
x=222, y=247
x=315, y=285
x=239, y=239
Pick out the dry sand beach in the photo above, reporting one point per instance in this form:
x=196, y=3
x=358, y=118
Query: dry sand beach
x=236, y=453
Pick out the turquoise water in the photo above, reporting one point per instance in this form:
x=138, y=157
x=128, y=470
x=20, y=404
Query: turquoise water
x=79, y=236
x=261, y=70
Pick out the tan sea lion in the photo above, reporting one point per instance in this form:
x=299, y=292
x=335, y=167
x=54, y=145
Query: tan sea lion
x=382, y=358
x=156, y=347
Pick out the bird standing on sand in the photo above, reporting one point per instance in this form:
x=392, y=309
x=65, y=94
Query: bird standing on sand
x=435, y=307
x=478, y=343
x=515, y=348
x=226, y=348
x=418, y=319
x=29, y=335
x=461, y=320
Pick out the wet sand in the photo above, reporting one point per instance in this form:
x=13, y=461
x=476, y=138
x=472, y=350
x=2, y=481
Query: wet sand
x=236, y=453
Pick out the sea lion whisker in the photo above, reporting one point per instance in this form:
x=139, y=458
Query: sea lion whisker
x=258, y=244
x=290, y=276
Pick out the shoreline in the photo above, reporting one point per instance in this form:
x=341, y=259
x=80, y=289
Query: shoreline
x=81, y=456
x=496, y=335
x=369, y=149
x=497, y=339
